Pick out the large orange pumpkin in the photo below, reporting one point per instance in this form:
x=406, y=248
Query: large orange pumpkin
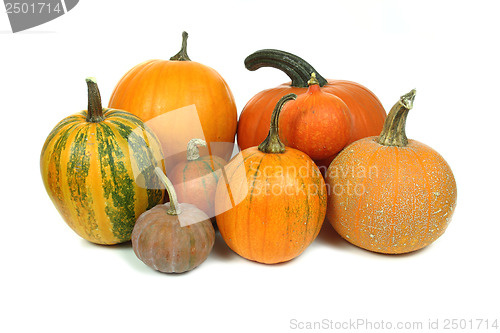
x=389, y=194
x=271, y=202
x=367, y=113
x=180, y=100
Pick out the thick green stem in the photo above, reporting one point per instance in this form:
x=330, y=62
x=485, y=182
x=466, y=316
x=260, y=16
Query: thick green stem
x=272, y=144
x=193, y=153
x=94, y=109
x=182, y=54
x=394, y=133
x=174, y=204
x=297, y=69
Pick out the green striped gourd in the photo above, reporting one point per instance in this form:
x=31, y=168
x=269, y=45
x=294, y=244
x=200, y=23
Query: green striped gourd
x=98, y=169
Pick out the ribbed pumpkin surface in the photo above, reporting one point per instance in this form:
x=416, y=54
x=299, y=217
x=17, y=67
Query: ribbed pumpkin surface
x=390, y=194
x=390, y=199
x=162, y=243
x=100, y=176
x=154, y=88
x=272, y=206
x=367, y=113
x=196, y=181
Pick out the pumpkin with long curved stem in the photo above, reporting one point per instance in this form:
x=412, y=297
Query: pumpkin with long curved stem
x=271, y=200
x=195, y=179
x=180, y=99
x=366, y=112
x=390, y=194
x=173, y=237
x=98, y=168
x=317, y=123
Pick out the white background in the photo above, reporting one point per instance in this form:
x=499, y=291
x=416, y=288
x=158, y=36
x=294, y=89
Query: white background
x=53, y=281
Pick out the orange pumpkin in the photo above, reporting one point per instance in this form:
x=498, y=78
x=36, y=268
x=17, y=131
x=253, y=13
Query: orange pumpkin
x=366, y=111
x=180, y=99
x=195, y=179
x=271, y=202
x=317, y=123
x=389, y=194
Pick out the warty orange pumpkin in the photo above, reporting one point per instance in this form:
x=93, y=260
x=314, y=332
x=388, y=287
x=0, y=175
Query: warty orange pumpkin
x=271, y=201
x=317, y=123
x=366, y=112
x=180, y=99
x=389, y=194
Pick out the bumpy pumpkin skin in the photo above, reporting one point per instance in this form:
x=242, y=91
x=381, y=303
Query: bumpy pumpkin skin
x=365, y=110
x=317, y=123
x=196, y=181
x=390, y=199
x=157, y=87
x=253, y=124
x=100, y=176
x=272, y=206
x=367, y=113
x=163, y=244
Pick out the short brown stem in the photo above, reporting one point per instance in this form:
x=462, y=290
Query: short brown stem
x=393, y=133
x=313, y=80
x=94, y=109
x=182, y=54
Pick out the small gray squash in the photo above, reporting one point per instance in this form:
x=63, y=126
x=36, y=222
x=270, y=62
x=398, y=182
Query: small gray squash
x=173, y=237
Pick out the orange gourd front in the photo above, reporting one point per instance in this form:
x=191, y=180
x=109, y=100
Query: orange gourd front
x=271, y=200
x=195, y=179
x=366, y=111
x=180, y=99
x=389, y=194
x=317, y=123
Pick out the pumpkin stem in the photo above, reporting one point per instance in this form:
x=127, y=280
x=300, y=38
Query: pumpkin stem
x=313, y=80
x=393, y=133
x=297, y=69
x=174, y=204
x=182, y=54
x=272, y=144
x=94, y=109
x=193, y=153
